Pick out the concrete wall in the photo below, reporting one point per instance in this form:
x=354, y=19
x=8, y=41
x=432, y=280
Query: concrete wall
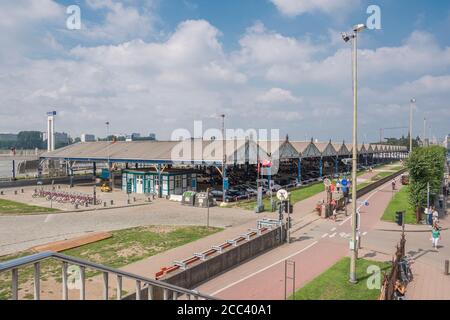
x=379, y=183
x=45, y=181
x=206, y=270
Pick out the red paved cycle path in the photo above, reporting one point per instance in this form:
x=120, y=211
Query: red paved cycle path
x=319, y=246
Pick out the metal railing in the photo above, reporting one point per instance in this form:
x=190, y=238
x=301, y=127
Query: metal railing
x=142, y=283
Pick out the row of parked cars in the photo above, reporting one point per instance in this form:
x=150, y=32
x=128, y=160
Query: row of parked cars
x=244, y=191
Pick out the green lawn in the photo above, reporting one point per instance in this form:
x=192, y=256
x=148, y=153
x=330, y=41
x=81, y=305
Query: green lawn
x=12, y=207
x=123, y=248
x=400, y=203
x=333, y=284
x=296, y=196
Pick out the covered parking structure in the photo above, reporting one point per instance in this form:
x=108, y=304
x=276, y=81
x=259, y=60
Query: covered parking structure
x=199, y=161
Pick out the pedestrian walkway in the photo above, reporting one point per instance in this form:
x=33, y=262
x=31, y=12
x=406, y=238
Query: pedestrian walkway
x=429, y=283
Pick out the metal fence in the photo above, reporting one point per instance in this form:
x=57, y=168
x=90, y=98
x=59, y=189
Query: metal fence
x=142, y=283
x=390, y=279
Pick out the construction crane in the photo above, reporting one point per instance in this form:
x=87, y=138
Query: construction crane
x=393, y=128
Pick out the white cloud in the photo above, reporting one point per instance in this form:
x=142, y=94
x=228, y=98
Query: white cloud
x=121, y=22
x=292, y=8
x=278, y=95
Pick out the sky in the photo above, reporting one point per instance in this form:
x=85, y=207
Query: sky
x=159, y=65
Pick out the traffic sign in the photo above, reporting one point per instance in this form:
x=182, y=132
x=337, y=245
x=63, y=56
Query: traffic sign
x=344, y=182
x=282, y=195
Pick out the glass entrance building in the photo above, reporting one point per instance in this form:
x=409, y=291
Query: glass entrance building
x=172, y=182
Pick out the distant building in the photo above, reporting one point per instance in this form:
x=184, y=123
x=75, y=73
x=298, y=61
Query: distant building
x=447, y=142
x=133, y=137
x=61, y=138
x=152, y=136
x=85, y=137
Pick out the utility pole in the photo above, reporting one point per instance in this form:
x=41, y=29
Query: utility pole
x=413, y=101
x=424, y=131
x=354, y=246
x=107, y=151
x=224, y=158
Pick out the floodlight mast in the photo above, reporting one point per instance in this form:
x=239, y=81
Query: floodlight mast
x=346, y=37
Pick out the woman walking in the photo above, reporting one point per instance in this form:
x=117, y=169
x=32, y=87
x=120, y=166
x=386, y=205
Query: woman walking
x=435, y=236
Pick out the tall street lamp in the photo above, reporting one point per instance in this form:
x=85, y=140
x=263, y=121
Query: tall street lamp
x=224, y=159
x=413, y=101
x=354, y=38
x=107, y=151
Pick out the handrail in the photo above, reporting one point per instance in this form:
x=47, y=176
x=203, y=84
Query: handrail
x=38, y=257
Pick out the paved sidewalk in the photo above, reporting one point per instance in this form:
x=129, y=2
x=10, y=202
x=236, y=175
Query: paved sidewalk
x=429, y=282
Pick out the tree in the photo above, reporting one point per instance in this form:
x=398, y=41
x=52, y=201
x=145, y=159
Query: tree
x=425, y=165
x=29, y=140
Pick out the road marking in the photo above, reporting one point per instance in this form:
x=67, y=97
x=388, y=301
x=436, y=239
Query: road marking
x=325, y=235
x=333, y=235
x=264, y=269
x=361, y=205
x=345, y=220
x=342, y=234
x=364, y=233
x=47, y=219
x=334, y=229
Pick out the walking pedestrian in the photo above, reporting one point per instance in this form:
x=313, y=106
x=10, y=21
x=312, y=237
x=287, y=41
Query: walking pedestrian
x=393, y=185
x=435, y=236
x=338, y=186
x=435, y=216
x=428, y=212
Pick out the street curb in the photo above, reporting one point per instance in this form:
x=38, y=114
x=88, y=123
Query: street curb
x=406, y=231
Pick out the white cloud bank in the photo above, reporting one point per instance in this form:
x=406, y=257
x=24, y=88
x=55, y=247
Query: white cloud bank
x=271, y=81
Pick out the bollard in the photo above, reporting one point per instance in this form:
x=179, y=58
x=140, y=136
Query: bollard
x=128, y=201
x=1, y=192
x=134, y=199
x=149, y=199
x=112, y=202
x=21, y=190
x=104, y=204
x=15, y=191
x=446, y=272
x=76, y=205
x=86, y=204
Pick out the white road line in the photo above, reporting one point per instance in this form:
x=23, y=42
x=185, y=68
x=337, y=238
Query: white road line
x=334, y=229
x=264, y=269
x=333, y=235
x=325, y=235
x=370, y=196
x=47, y=219
x=345, y=220
x=364, y=233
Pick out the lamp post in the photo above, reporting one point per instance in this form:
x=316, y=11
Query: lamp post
x=107, y=151
x=412, y=102
x=354, y=38
x=224, y=158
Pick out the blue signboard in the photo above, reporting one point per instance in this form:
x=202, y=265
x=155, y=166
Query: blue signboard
x=225, y=184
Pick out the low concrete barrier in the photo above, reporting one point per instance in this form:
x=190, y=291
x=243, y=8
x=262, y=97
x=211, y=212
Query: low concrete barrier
x=213, y=266
x=378, y=183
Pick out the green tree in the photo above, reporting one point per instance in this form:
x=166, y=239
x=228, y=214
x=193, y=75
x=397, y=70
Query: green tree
x=29, y=140
x=425, y=165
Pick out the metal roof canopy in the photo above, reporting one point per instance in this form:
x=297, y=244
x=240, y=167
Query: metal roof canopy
x=209, y=152
x=192, y=151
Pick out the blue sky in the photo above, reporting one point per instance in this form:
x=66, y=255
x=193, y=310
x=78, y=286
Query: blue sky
x=155, y=66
